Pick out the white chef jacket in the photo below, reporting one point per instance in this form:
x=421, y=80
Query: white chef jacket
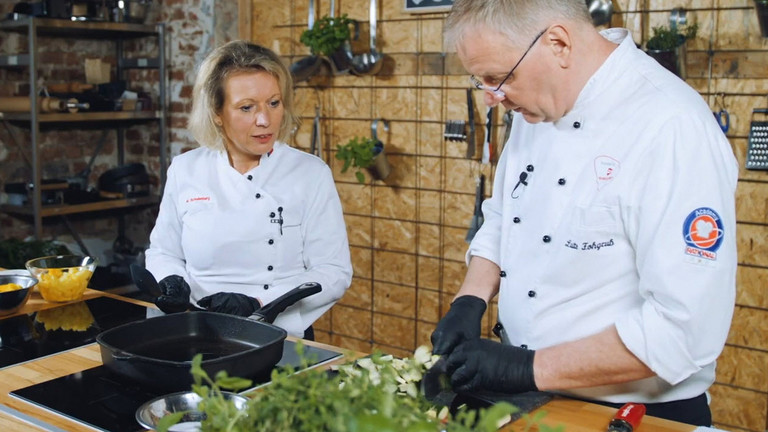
x=261, y=237
x=627, y=219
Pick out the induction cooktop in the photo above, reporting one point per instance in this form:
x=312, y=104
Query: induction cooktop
x=108, y=402
x=47, y=332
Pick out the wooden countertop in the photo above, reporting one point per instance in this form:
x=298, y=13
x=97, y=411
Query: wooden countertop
x=19, y=416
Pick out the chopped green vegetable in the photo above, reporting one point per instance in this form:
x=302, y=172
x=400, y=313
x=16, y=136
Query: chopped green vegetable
x=377, y=393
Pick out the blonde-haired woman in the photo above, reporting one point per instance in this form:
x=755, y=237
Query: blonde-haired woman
x=245, y=218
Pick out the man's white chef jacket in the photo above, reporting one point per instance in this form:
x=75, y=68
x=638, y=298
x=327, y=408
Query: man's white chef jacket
x=261, y=237
x=625, y=217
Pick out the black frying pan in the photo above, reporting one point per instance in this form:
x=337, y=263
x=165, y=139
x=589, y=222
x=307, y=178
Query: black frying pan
x=157, y=352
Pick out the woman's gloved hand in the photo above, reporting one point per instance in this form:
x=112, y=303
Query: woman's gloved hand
x=461, y=323
x=482, y=364
x=175, y=296
x=230, y=303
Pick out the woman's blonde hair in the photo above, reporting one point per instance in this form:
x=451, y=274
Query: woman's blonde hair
x=208, y=92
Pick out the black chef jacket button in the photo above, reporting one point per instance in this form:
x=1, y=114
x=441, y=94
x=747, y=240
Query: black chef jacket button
x=524, y=346
x=270, y=268
x=546, y=239
x=529, y=168
x=272, y=214
x=266, y=287
x=516, y=219
x=531, y=293
x=576, y=125
x=502, y=274
x=250, y=177
x=561, y=181
x=258, y=195
x=271, y=241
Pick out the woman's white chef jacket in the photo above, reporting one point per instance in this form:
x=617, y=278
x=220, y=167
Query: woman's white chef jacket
x=261, y=237
x=626, y=218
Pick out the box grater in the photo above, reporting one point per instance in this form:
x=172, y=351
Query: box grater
x=757, y=145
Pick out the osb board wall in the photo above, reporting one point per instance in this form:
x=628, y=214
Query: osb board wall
x=407, y=234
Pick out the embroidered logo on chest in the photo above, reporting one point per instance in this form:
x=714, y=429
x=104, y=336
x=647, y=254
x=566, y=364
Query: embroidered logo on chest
x=606, y=169
x=703, y=233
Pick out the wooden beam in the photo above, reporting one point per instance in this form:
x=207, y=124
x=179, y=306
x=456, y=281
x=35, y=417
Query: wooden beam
x=244, y=14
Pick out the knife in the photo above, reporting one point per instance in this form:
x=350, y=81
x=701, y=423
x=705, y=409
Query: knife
x=436, y=386
x=145, y=281
x=471, y=136
x=269, y=312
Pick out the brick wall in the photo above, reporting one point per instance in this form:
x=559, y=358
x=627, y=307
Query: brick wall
x=407, y=233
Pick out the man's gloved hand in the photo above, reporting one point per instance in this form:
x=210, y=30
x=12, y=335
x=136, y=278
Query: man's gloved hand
x=462, y=322
x=230, y=303
x=482, y=364
x=175, y=296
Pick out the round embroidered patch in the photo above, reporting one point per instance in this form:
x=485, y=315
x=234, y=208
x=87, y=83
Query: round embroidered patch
x=703, y=230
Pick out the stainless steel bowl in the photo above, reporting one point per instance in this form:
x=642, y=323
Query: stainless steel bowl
x=150, y=413
x=11, y=301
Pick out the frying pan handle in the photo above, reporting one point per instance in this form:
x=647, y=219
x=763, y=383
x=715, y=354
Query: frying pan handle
x=270, y=311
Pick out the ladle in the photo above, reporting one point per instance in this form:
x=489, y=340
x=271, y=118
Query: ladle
x=369, y=63
x=308, y=66
x=600, y=11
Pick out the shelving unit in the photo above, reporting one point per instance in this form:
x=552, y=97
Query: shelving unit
x=118, y=33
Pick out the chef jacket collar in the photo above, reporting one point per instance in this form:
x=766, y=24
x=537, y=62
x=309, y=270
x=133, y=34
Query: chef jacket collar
x=584, y=110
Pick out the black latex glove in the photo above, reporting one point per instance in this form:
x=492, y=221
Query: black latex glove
x=482, y=364
x=230, y=303
x=462, y=322
x=175, y=296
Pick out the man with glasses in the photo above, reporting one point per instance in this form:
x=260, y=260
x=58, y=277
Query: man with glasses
x=610, y=235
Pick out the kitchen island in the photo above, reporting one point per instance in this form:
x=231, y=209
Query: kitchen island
x=18, y=415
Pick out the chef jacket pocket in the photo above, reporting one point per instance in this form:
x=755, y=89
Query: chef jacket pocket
x=601, y=218
x=291, y=247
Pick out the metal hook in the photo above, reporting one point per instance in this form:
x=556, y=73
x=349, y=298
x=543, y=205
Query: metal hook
x=375, y=126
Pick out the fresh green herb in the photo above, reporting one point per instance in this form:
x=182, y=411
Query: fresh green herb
x=357, y=152
x=377, y=393
x=327, y=34
x=14, y=253
x=665, y=38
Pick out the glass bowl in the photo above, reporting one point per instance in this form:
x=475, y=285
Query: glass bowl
x=12, y=298
x=62, y=278
x=150, y=413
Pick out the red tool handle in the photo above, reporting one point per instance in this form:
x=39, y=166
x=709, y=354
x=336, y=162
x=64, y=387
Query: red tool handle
x=627, y=418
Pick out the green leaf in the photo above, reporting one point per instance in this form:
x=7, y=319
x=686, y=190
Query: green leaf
x=360, y=177
x=169, y=420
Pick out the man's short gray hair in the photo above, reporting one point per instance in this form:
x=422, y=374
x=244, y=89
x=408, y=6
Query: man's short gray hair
x=520, y=20
x=208, y=92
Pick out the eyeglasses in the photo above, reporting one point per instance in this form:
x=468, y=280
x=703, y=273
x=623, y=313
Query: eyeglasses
x=497, y=91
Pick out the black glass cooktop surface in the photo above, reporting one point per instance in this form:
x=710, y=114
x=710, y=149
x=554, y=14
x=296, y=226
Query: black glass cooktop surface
x=46, y=332
x=106, y=401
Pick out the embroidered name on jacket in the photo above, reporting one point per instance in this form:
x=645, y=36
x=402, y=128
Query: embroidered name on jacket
x=203, y=198
x=586, y=246
x=703, y=233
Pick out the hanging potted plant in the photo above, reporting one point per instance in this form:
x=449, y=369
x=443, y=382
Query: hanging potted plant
x=761, y=6
x=362, y=152
x=330, y=37
x=667, y=46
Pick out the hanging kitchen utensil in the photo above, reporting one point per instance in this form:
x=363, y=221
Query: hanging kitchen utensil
x=455, y=130
x=369, y=63
x=508, y=115
x=721, y=114
x=600, y=11
x=309, y=66
x=316, y=145
x=487, y=147
x=757, y=145
x=477, y=217
x=471, y=119
x=379, y=167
